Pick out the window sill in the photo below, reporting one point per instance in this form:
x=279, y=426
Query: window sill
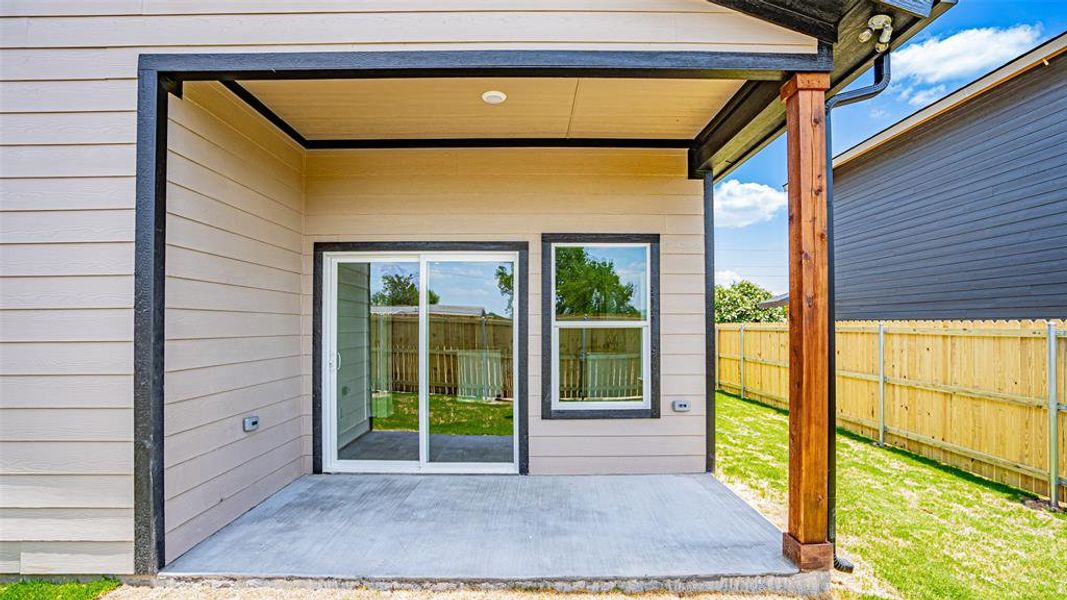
x=614, y=413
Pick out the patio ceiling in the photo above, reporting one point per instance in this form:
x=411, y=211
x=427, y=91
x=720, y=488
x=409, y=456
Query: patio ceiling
x=452, y=108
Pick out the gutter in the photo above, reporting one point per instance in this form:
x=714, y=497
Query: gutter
x=881, y=81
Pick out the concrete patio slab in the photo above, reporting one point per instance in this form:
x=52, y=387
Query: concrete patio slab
x=634, y=532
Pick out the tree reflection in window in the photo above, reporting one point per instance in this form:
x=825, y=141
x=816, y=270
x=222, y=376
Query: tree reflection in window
x=588, y=288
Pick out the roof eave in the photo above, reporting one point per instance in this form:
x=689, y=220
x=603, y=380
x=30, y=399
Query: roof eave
x=741, y=129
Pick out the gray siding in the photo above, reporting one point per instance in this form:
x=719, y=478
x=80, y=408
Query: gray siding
x=963, y=217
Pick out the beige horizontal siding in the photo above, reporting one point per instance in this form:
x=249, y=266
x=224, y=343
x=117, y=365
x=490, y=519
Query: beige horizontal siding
x=73, y=458
x=61, y=558
x=66, y=294
x=725, y=30
x=233, y=240
x=479, y=195
x=179, y=7
x=56, y=525
x=678, y=23
x=66, y=491
x=66, y=391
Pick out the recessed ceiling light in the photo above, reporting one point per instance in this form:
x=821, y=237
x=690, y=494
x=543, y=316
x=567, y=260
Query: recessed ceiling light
x=494, y=97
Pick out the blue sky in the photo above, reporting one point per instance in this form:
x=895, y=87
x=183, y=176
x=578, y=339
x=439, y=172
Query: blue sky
x=457, y=283
x=474, y=283
x=969, y=40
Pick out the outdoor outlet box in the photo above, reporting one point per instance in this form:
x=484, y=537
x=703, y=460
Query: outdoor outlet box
x=680, y=405
x=251, y=423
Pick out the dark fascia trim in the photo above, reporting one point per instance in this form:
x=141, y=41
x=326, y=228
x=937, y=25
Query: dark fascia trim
x=740, y=110
x=710, y=336
x=256, y=104
x=522, y=407
x=499, y=143
x=916, y=8
x=480, y=63
x=775, y=13
x=547, y=296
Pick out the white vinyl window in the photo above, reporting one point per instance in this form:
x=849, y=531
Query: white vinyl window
x=601, y=329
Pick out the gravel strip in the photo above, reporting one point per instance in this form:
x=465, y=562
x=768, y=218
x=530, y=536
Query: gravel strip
x=127, y=592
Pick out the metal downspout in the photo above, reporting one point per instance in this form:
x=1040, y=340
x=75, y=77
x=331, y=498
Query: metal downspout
x=881, y=81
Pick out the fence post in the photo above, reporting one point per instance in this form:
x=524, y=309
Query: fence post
x=1053, y=421
x=742, y=343
x=881, y=383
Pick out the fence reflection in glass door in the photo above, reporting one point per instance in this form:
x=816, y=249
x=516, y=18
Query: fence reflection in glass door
x=471, y=336
x=420, y=363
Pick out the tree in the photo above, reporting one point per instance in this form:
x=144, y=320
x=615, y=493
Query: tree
x=585, y=286
x=739, y=302
x=505, y=282
x=401, y=290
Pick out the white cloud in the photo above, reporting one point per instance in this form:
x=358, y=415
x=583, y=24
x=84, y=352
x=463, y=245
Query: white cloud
x=775, y=283
x=727, y=278
x=742, y=204
x=926, y=96
x=924, y=67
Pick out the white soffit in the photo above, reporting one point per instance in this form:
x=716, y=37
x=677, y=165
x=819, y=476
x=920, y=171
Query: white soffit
x=428, y=108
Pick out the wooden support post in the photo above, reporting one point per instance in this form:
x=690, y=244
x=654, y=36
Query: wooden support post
x=805, y=541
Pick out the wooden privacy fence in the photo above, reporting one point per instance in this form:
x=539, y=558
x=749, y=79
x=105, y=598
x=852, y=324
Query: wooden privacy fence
x=469, y=356
x=600, y=375
x=978, y=395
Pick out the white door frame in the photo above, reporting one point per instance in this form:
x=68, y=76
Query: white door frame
x=330, y=462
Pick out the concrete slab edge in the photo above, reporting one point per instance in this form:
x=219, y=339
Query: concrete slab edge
x=810, y=583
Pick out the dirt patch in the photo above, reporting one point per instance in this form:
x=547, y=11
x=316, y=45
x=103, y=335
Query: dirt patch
x=1040, y=505
x=775, y=512
x=860, y=582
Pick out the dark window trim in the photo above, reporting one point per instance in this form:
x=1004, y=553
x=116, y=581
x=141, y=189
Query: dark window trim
x=547, y=308
x=522, y=383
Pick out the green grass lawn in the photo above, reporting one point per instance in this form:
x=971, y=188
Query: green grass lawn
x=41, y=590
x=448, y=414
x=916, y=528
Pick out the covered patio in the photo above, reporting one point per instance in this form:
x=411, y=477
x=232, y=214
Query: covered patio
x=634, y=532
x=272, y=189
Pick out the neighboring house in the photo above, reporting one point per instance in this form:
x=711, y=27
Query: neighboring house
x=959, y=211
x=208, y=206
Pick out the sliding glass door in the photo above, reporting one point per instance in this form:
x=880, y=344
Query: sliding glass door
x=419, y=362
